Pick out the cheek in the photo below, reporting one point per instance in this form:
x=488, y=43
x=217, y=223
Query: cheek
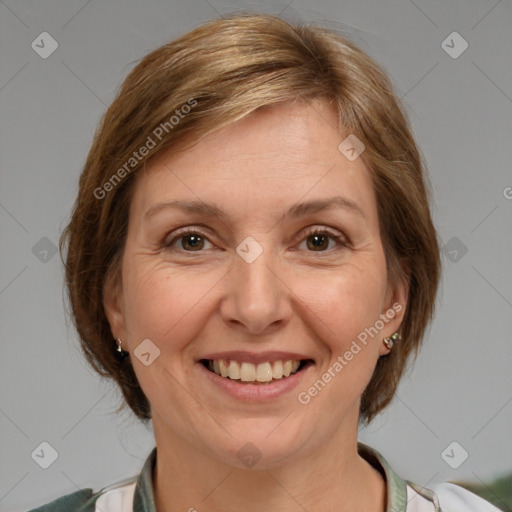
x=165, y=307
x=162, y=304
x=349, y=300
x=350, y=308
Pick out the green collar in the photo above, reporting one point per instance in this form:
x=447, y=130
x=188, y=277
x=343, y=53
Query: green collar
x=144, y=500
x=396, y=487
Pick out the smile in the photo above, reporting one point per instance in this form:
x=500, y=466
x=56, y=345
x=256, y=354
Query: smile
x=268, y=371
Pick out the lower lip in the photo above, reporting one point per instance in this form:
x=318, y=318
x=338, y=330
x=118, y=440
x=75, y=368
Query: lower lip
x=263, y=392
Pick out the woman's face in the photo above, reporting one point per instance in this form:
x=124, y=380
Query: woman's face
x=268, y=277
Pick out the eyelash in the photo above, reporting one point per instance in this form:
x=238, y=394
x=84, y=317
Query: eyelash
x=182, y=233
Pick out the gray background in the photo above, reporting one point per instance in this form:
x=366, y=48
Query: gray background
x=460, y=108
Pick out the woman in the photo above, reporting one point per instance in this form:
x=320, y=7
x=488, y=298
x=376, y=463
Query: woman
x=252, y=229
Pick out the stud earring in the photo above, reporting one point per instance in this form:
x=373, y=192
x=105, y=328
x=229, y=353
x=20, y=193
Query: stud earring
x=389, y=342
x=120, y=354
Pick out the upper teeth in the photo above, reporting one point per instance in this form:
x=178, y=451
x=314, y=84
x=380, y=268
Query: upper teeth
x=249, y=372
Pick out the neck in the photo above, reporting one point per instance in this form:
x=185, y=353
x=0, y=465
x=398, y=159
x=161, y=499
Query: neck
x=331, y=477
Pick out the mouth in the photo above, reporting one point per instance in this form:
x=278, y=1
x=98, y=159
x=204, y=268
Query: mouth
x=245, y=372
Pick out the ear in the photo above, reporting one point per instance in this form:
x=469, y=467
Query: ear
x=113, y=306
x=394, y=307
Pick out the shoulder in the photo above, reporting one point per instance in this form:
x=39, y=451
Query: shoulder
x=454, y=498
x=115, y=498
x=82, y=500
x=445, y=497
x=407, y=496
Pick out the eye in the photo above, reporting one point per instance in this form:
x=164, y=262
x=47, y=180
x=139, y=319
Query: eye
x=192, y=239
x=320, y=239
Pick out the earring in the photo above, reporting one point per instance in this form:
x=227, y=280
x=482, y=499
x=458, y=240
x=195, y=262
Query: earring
x=389, y=342
x=120, y=354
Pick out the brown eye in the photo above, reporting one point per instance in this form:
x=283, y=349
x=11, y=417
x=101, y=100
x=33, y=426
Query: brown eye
x=318, y=240
x=191, y=241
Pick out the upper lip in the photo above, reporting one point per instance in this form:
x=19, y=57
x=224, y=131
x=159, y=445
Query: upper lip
x=242, y=356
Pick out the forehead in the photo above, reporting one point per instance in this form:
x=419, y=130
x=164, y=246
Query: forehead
x=274, y=157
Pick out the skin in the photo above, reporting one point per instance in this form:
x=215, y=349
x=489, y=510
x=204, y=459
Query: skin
x=189, y=302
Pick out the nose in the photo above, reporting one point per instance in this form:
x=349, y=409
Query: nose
x=256, y=300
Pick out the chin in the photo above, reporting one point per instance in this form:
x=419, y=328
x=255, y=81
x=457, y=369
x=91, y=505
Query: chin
x=260, y=445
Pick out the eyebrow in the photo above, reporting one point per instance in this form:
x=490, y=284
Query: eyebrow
x=298, y=210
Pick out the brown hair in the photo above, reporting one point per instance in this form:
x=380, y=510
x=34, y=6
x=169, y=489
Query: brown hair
x=224, y=70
